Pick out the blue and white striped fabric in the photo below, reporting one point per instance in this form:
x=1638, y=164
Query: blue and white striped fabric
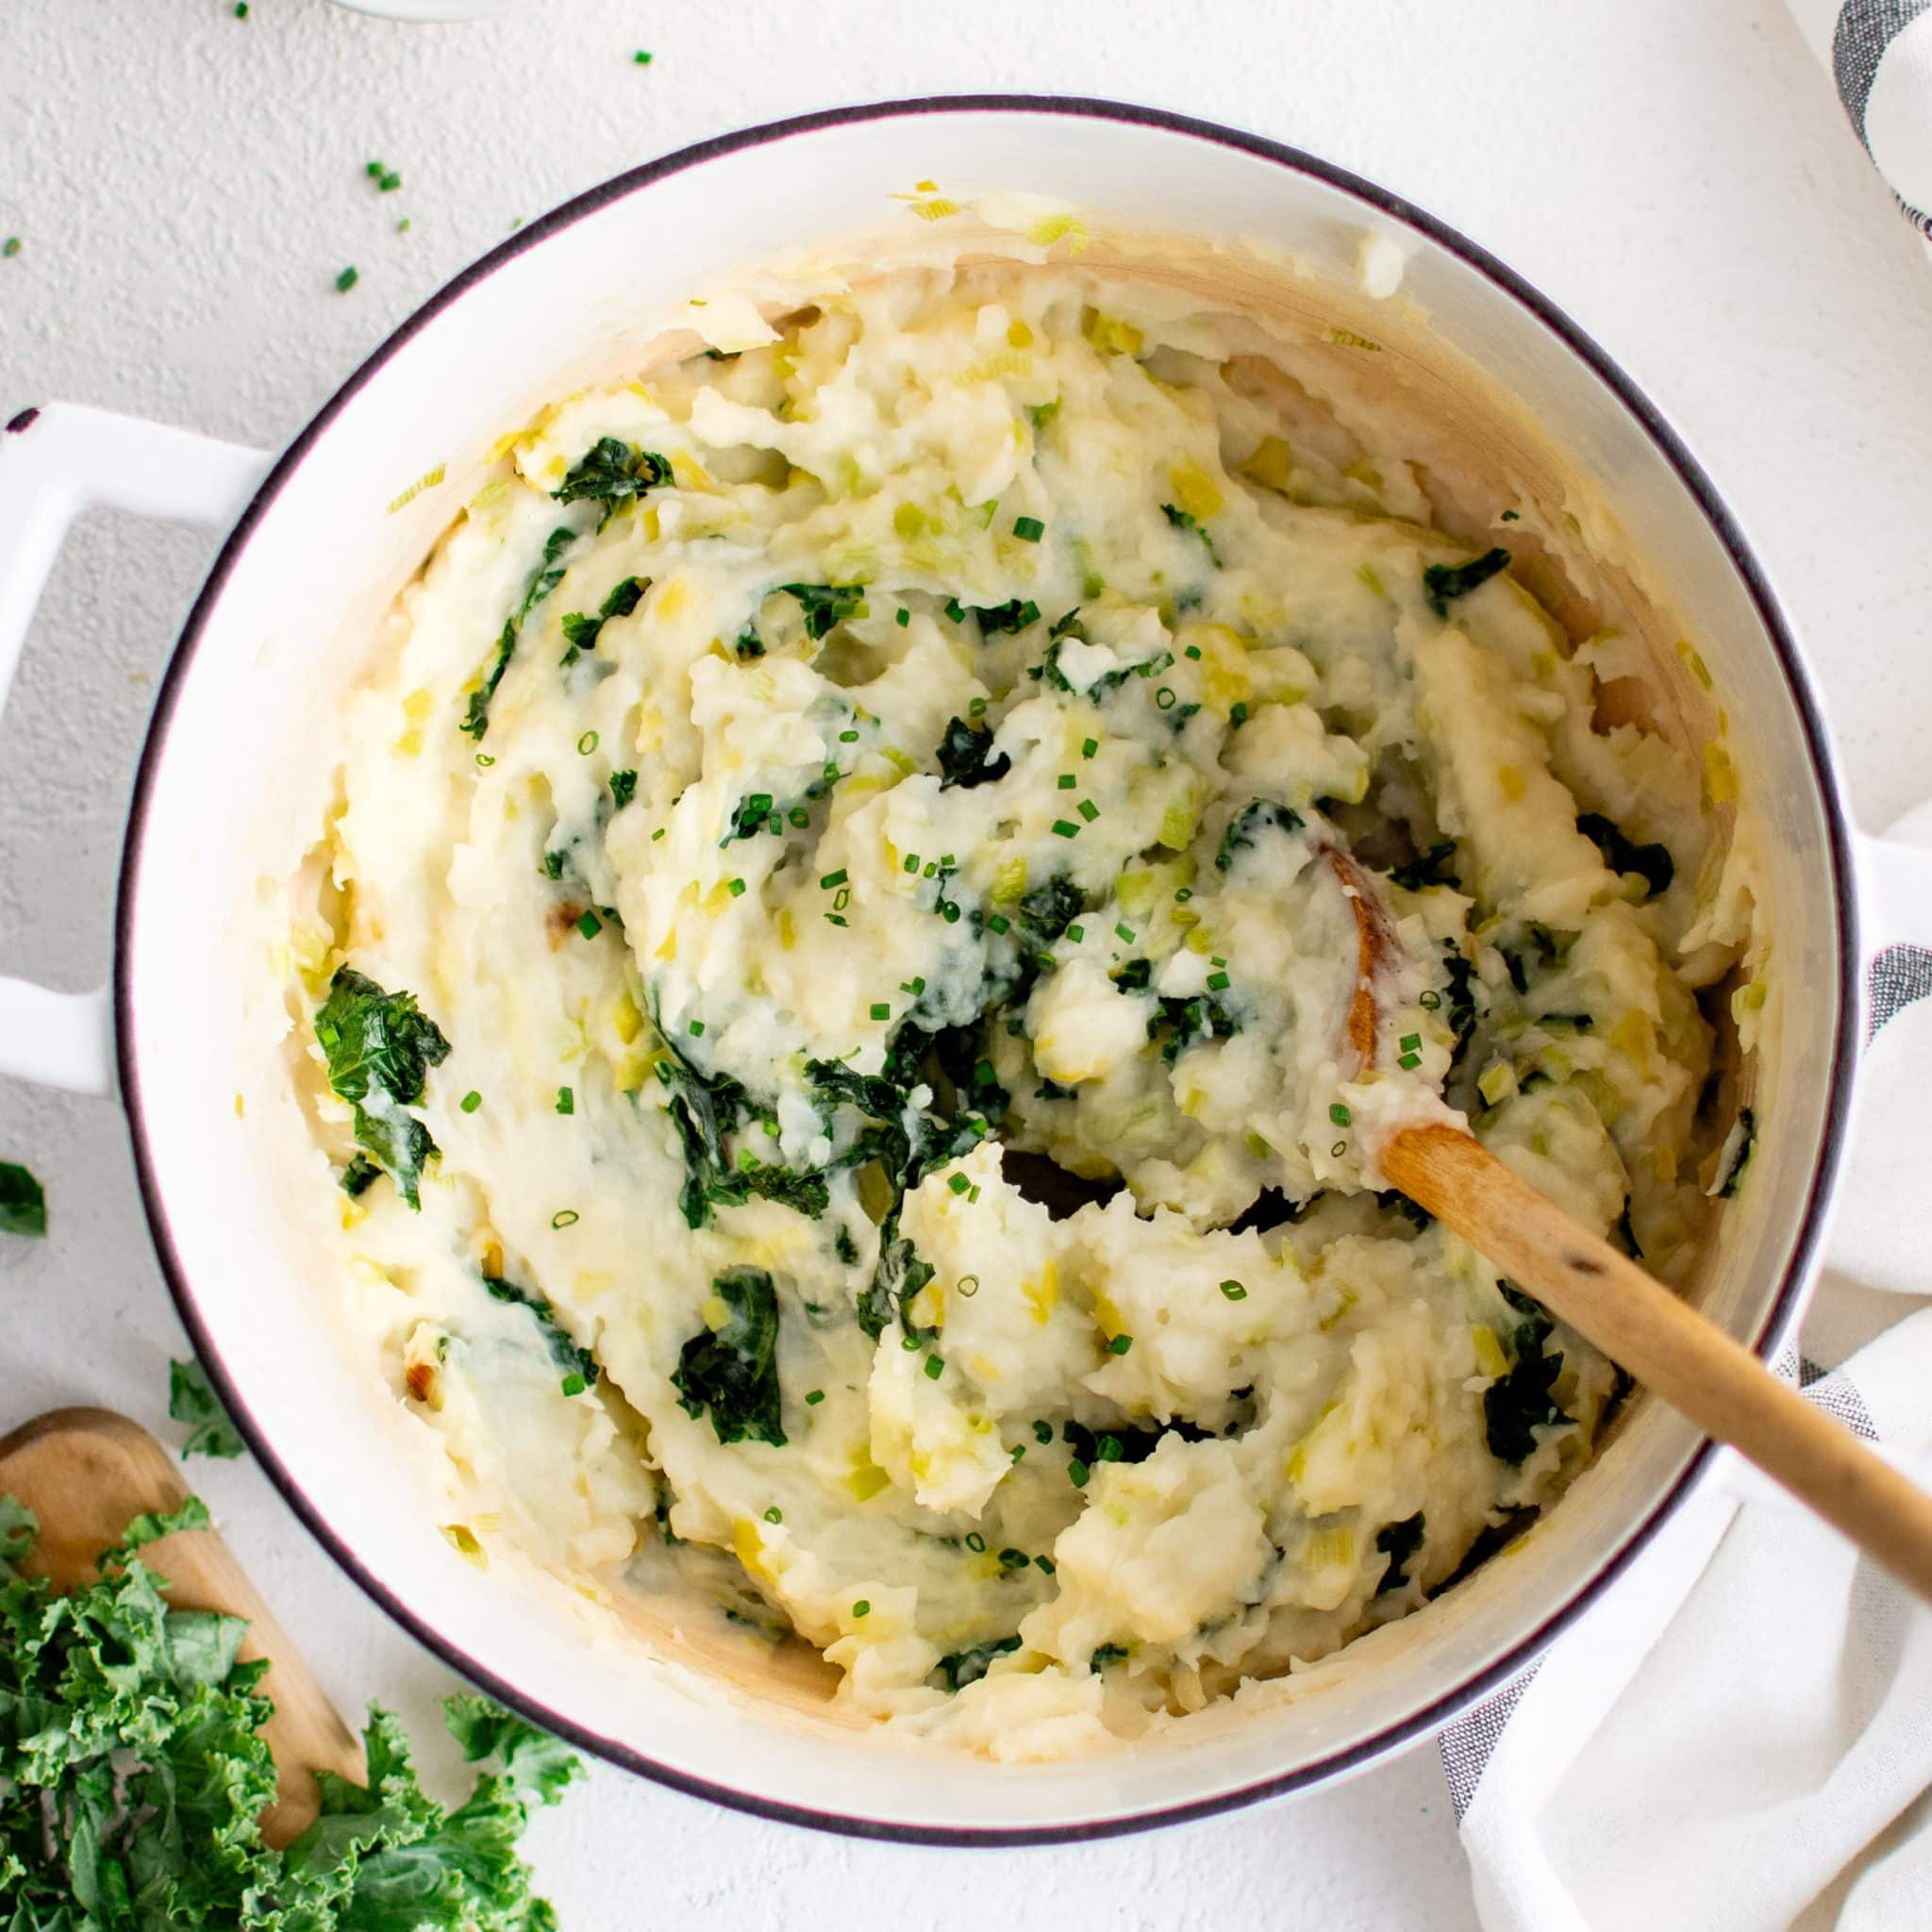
x=1879, y=52
x=1736, y=1739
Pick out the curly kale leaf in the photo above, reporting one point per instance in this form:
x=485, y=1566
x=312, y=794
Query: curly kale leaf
x=1443, y=581
x=192, y=1401
x=1182, y=521
x=613, y=473
x=967, y=757
x=380, y=1046
x=133, y=1774
x=580, y=633
x=733, y=1369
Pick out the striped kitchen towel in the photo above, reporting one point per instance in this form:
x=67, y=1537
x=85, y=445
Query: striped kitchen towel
x=1879, y=52
x=1735, y=1738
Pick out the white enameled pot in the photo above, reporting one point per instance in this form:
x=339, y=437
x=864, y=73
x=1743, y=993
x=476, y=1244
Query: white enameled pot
x=230, y=777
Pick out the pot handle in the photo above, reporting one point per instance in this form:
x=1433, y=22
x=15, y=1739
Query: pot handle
x=55, y=462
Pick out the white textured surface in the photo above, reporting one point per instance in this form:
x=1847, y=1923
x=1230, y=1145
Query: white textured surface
x=187, y=186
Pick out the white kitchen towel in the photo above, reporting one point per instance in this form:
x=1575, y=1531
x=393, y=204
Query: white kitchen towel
x=1738, y=1738
x=1879, y=52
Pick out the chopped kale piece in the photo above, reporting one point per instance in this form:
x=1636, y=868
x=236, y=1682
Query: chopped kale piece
x=968, y=759
x=1443, y=581
x=996, y=619
x=1136, y=975
x=1107, y=1654
x=22, y=1204
x=360, y=1175
x=581, y=632
x=825, y=605
x=579, y=1365
x=1651, y=863
x=1182, y=521
x=1518, y=1402
x=1430, y=868
x=379, y=1048
x=1735, y=1154
x=540, y=582
x=1181, y=1024
x=962, y=1666
x=733, y=1369
x=1051, y=907
x=1399, y=1542
x=1461, y=1005
x=613, y=473
x=1258, y=816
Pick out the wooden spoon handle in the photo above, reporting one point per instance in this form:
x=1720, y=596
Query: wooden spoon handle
x=86, y=1473
x=1666, y=1344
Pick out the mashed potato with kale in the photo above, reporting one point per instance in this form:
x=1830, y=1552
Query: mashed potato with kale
x=873, y=880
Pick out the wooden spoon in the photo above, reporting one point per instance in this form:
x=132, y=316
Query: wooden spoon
x=86, y=1473
x=1657, y=1337
x=1688, y=1360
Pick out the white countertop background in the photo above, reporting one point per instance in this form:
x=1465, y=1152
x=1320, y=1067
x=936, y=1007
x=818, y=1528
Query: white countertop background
x=187, y=186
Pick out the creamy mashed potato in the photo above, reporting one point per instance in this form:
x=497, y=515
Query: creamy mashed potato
x=917, y=849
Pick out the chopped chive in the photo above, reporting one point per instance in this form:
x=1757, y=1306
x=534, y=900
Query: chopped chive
x=998, y=922
x=1339, y=1148
x=949, y=913
x=1061, y=829
x=1091, y=746
x=1089, y=810
x=841, y=898
x=862, y=1608
x=799, y=816
x=1125, y=934
x=573, y=1385
x=1120, y=1344
x=1338, y=1114
x=904, y=618
x=1411, y=1042
x=836, y=919
x=1029, y=529
x=935, y=1368
x=1076, y=932
x=848, y=738
x=971, y=1197
x=775, y=1514
x=590, y=924
x=697, y=1030
x=832, y=880
x=1043, y=1432
x=641, y=58
x=484, y=759
x=1431, y=1000
x=975, y=1542
x=932, y=868
x=1409, y=1062
x=403, y=226
x=1068, y=781
x=1193, y=651
x=969, y=1283
x=1217, y=982
x=1019, y=1451
x=1164, y=697
x=1045, y=1565
x=564, y=1216
x=915, y=986
x=1234, y=1291
x=658, y=834
x=346, y=280
x=1183, y=895
x=587, y=744
x=1239, y=715
x=1217, y=960
x=471, y=1101
x=912, y=863
x=880, y=1010
x=959, y=1183
x=734, y=887
x=814, y=1397
x=1078, y=1471
x=909, y=1344
x=955, y=610
x=977, y=709
x=566, y=1101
